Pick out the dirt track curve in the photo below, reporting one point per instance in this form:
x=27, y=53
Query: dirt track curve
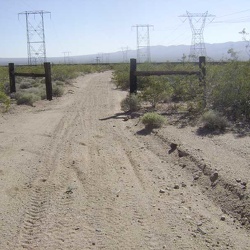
x=73, y=175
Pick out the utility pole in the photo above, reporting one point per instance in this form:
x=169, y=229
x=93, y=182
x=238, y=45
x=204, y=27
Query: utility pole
x=36, y=46
x=197, y=23
x=143, y=42
x=97, y=60
x=100, y=56
x=66, y=57
x=124, y=54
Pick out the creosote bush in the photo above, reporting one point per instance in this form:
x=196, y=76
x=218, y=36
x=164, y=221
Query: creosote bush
x=131, y=103
x=214, y=120
x=26, y=98
x=57, y=90
x=153, y=120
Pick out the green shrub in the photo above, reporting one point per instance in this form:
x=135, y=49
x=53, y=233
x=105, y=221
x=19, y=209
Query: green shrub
x=131, y=103
x=26, y=98
x=59, y=83
x=43, y=94
x=214, y=120
x=157, y=90
x=121, y=76
x=153, y=120
x=5, y=100
x=229, y=87
x=57, y=91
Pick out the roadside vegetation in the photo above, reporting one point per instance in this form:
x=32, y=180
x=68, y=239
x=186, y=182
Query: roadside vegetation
x=30, y=90
x=227, y=92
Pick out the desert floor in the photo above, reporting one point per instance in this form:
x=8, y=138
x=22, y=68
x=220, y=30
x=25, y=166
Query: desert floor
x=76, y=173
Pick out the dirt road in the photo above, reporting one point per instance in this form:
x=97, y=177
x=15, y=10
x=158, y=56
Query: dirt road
x=74, y=175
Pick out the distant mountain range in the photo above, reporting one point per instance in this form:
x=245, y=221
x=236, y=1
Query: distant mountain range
x=174, y=53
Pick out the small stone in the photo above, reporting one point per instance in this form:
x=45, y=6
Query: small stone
x=222, y=218
x=173, y=146
x=162, y=191
x=214, y=177
x=194, y=235
x=244, y=183
x=176, y=186
x=196, y=177
x=238, y=180
x=182, y=153
x=183, y=184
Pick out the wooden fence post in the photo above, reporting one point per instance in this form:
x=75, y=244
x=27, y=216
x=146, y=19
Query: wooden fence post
x=133, y=77
x=12, y=77
x=202, y=66
x=48, y=82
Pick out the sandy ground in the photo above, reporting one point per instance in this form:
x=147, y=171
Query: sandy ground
x=74, y=174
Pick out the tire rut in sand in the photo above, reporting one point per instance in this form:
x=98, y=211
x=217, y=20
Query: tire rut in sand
x=44, y=189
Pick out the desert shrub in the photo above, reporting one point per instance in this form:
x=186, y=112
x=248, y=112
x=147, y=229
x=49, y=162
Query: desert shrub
x=131, y=103
x=214, y=120
x=229, y=88
x=185, y=88
x=156, y=90
x=5, y=100
x=43, y=94
x=59, y=83
x=6, y=88
x=121, y=76
x=57, y=91
x=25, y=85
x=26, y=98
x=153, y=120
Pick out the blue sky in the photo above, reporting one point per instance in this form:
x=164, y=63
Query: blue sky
x=101, y=26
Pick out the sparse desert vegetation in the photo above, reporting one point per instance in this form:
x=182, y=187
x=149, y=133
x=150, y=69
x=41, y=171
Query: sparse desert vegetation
x=30, y=90
x=153, y=120
x=227, y=89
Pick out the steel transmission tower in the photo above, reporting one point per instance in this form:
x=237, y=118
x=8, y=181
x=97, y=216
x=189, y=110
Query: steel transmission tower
x=35, y=36
x=197, y=23
x=66, y=57
x=143, y=42
x=124, y=54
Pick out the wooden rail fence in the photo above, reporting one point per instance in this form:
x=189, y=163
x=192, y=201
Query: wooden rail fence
x=47, y=75
x=201, y=73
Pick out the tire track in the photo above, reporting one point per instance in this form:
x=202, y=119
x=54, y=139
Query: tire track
x=43, y=188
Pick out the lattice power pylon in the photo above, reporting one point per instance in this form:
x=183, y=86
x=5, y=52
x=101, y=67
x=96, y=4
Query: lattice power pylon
x=124, y=54
x=143, y=42
x=197, y=23
x=36, y=46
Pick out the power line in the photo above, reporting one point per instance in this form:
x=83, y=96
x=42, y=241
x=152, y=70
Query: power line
x=143, y=42
x=238, y=20
x=36, y=46
x=197, y=23
x=234, y=13
x=66, y=57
